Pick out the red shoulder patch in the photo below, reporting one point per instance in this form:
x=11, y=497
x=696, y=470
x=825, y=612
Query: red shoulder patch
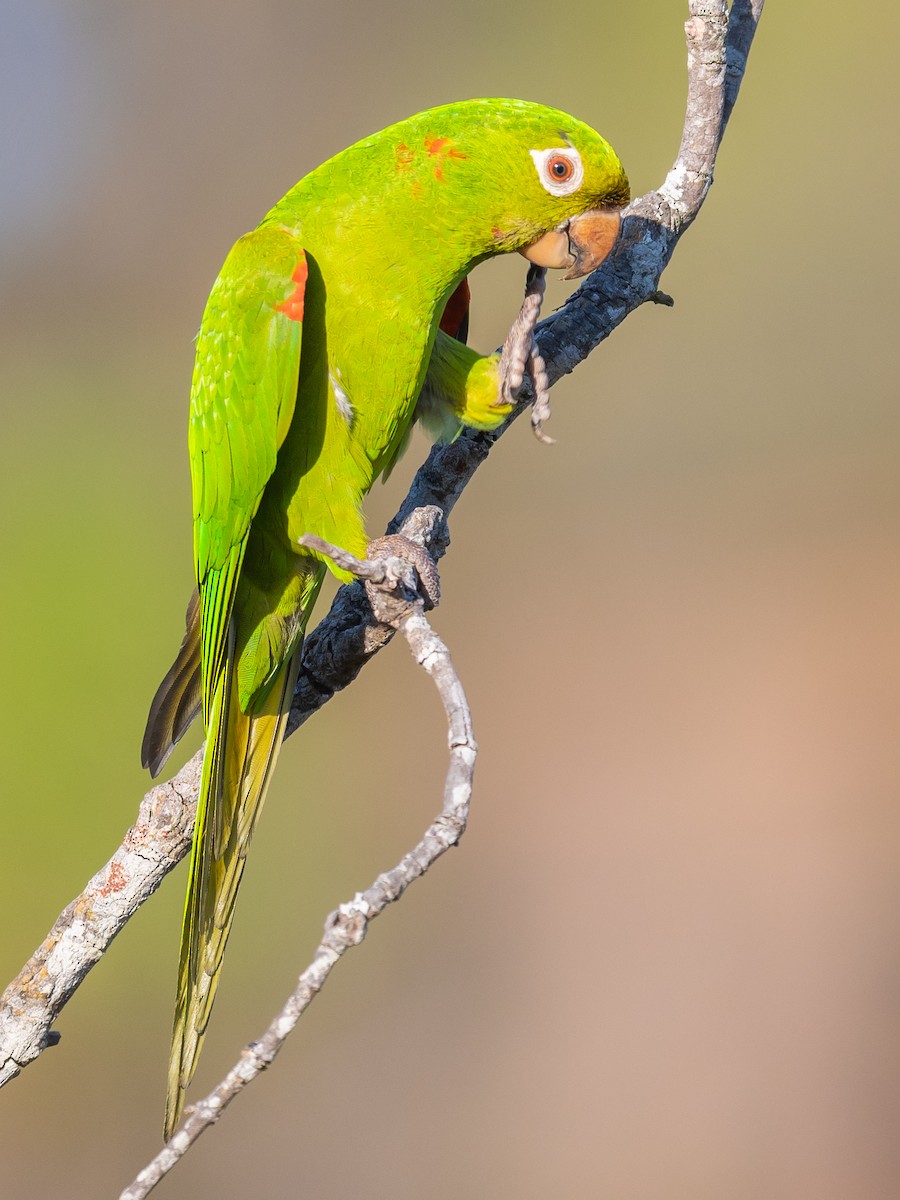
x=293, y=306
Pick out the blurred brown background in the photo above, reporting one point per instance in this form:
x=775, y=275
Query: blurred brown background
x=664, y=963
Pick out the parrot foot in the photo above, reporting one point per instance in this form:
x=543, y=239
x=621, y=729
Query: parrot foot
x=398, y=574
x=540, y=406
x=396, y=545
x=520, y=356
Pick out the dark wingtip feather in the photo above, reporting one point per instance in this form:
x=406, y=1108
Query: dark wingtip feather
x=177, y=699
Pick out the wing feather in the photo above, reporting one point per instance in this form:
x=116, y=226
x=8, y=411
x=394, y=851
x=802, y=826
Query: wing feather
x=242, y=402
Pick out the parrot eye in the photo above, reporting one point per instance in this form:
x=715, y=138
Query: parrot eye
x=560, y=170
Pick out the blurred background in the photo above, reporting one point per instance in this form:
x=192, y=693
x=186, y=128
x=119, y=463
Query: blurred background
x=665, y=962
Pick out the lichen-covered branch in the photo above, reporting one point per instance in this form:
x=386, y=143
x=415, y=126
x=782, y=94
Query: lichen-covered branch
x=718, y=40
x=391, y=583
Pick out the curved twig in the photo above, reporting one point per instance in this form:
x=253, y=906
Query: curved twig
x=389, y=584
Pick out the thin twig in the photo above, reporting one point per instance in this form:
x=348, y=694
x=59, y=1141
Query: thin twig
x=392, y=585
x=335, y=652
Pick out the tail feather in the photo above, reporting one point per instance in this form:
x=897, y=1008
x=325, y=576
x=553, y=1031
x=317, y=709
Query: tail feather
x=177, y=699
x=241, y=752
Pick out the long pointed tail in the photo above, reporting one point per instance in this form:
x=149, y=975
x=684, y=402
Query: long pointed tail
x=241, y=751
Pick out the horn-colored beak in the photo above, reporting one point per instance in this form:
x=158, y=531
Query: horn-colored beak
x=581, y=244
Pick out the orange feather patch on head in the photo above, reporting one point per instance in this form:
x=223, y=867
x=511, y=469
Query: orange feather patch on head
x=293, y=306
x=405, y=157
x=441, y=148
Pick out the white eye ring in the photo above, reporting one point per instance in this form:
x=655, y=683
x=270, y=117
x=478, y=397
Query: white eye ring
x=547, y=163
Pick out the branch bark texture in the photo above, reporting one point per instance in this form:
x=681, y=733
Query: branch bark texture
x=718, y=42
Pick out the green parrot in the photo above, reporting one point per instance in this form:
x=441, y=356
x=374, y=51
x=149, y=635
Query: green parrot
x=328, y=324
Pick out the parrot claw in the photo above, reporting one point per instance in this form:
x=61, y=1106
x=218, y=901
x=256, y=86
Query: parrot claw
x=516, y=356
x=521, y=357
x=540, y=407
x=397, y=572
x=395, y=545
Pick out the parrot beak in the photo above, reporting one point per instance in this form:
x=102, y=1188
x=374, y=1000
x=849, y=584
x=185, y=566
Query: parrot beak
x=581, y=244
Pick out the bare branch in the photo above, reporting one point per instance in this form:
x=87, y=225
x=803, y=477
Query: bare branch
x=159, y=838
x=335, y=652
x=392, y=584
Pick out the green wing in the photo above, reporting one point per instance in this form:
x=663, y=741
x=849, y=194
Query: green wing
x=242, y=402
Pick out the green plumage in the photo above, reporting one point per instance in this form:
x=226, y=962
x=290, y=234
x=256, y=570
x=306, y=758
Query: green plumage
x=311, y=357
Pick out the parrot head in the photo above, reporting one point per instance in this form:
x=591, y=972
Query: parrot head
x=501, y=175
x=452, y=186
